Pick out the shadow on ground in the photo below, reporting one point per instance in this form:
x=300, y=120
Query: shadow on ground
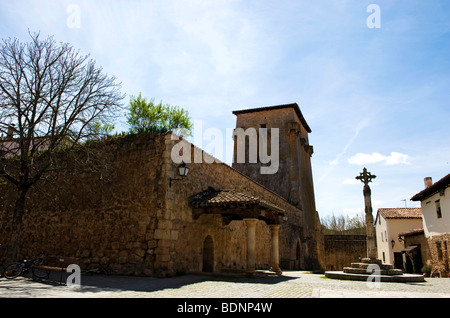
x=101, y=283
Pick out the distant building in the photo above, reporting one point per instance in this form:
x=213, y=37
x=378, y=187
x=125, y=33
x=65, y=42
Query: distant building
x=415, y=252
x=10, y=145
x=435, y=201
x=389, y=223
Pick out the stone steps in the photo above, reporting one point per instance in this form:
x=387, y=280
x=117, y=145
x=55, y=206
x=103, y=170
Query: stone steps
x=365, y=265
x=353, y=270
x=382, y=278
x=369, y=266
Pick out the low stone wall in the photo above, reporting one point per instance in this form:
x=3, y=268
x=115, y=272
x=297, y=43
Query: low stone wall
x=438, y=246
x=342, y=250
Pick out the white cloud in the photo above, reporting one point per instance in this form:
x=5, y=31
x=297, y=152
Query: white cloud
x=351, y=181
x=395, y=158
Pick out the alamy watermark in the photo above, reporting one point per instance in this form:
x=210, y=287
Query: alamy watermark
x=74, y=18
x=374, y=19
x=262, y=147
x=374, y=279
x=74, y=279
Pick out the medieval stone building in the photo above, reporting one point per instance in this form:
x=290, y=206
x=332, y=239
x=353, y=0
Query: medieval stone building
x=137, y=214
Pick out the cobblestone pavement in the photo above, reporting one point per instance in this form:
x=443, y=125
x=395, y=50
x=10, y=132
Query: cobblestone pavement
x=291, y=284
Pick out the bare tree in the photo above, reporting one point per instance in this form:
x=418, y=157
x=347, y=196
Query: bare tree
x=344, y=224
x=51, y=97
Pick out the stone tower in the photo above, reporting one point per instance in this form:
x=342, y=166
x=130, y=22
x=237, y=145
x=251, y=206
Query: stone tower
x=293, y=178
x=284, y=130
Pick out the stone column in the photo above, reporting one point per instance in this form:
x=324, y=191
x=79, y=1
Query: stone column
x=251, y=243
x=370, y=229
x=365, y=178
x=274, y=230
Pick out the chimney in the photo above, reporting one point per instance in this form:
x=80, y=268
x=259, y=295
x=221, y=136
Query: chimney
x=428, y=182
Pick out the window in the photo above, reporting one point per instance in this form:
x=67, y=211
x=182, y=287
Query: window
x=384, y=258
x=438, y=209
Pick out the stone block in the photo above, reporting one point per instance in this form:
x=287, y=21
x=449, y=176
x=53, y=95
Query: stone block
x=152, y=244
x=371, y=260
x=164, y=224
x=162, y=234
x=123, y=259
x=164, y=243
x=162, y=250
x=162, y=258
x=139, y=252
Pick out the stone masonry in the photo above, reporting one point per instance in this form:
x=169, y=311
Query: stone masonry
x=126, y=214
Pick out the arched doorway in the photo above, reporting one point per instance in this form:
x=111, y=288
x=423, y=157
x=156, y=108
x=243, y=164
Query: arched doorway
x=208, y=254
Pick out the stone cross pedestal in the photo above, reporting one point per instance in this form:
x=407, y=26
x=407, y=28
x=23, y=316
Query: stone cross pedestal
x=370, y=267
x=367, y=177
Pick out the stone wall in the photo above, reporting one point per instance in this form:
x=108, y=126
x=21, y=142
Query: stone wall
x=342, y=250
x=126, y=215
x=438, y=246
x=293, y=181
x=105, y=216
x=230, y=239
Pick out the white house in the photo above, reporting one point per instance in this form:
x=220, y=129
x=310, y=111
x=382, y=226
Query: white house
x=389, y=223
x=435, y=201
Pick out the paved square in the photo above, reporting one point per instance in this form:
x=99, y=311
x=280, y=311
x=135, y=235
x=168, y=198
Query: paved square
x=292, y=284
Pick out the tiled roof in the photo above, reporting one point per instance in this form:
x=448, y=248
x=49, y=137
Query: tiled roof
x=213, y=197
x=434, y=188
x=401, y=213
x=293, y=105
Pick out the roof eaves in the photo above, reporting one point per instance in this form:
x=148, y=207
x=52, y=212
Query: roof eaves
x=265, y=108
x=434, y=188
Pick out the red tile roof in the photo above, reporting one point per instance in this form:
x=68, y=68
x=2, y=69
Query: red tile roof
x=213, y=197
x=400, y=213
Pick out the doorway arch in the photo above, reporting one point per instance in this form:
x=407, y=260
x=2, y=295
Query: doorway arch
x=208, y=254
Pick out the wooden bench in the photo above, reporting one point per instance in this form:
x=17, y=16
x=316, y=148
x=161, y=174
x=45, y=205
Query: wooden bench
x=57, y=264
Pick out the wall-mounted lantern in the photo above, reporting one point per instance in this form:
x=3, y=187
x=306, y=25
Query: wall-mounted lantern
x=183, y=171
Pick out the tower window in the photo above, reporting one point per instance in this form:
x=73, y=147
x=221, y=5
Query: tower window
x=438, y=209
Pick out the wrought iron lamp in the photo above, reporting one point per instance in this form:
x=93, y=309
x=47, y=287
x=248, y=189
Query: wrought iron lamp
x=183, y=171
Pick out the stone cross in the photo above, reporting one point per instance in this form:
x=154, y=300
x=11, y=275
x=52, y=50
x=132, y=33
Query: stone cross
x=365, y=178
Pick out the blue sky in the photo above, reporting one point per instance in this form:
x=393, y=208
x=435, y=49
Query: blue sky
x=373, y=97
